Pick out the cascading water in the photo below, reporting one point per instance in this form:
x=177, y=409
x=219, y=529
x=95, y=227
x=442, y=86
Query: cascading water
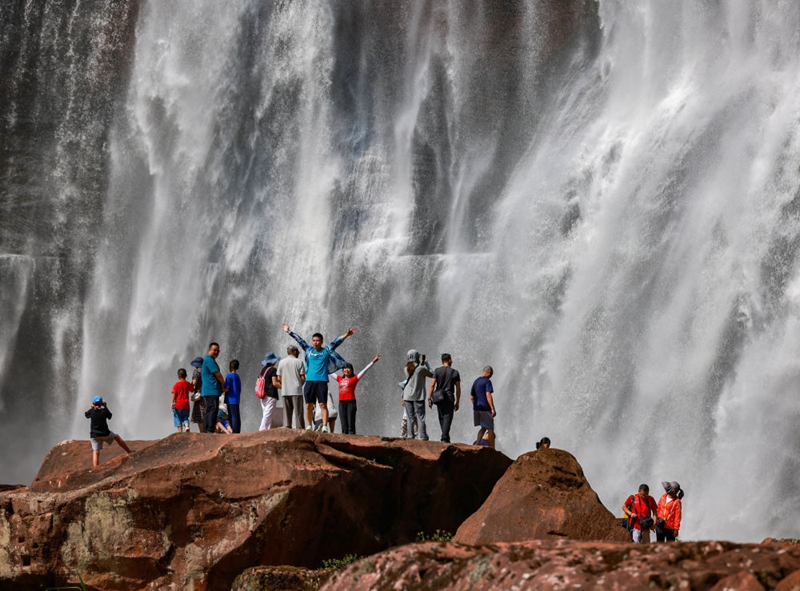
x=600, y=199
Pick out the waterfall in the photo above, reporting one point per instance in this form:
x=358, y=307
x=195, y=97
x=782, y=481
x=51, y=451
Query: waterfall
x=599, y=199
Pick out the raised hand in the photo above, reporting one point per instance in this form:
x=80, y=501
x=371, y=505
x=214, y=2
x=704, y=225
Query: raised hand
x=377, y=358
x=285, y=327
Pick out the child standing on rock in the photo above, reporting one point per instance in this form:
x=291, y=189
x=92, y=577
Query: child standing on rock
x=180, y=402
x=99, y=432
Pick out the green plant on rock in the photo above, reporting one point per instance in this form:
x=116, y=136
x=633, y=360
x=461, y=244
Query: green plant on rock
x=439, y=535
x=81, y=588
x=337, y=563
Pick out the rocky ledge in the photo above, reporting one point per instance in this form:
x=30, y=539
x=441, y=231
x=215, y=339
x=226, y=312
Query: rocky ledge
x=547, y=565
x=193, y=511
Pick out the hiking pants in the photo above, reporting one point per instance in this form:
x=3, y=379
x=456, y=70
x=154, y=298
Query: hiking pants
x=210, y=418
x=347, y=415
x=416, y=410
x=294, y=405
x=446, y=409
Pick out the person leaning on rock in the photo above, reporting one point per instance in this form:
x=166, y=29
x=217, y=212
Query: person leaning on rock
x=640, y=509
x=669, y=512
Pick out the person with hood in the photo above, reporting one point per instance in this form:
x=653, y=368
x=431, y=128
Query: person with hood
x=320, y=362
x=668, y=516
x=199, y=403
x=270, y=400
x=414, y=391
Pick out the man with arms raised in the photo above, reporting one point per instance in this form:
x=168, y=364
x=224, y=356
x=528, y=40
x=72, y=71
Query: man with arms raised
x=320, y=361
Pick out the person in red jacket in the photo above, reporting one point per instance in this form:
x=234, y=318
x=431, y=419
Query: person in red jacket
x=668, y=520
x=640, y=508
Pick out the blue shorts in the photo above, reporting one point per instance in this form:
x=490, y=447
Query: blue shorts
x=314, y=392
x=484, y=419
x=180, y=417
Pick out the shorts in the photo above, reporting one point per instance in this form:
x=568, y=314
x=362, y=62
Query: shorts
x=484, y=419
x=180, y=417
x=97, y=442
x=314, y=392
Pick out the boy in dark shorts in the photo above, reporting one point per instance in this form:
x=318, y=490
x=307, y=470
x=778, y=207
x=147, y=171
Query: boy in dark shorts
x=99, y=432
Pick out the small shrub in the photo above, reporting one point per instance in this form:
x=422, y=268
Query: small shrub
x=337, y=563
x=439, y=535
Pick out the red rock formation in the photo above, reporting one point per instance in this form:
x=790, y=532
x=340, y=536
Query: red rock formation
x=195, y=510
x=544, y=495
x=545, y=565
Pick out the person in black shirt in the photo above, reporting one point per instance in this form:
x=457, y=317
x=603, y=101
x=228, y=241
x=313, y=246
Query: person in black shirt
x=99, y=432
x=446, y=386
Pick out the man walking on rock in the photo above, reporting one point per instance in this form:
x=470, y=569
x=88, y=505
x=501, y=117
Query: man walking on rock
x=290, y=379
x=483, y=405
x=445, y=381
x=319, y=362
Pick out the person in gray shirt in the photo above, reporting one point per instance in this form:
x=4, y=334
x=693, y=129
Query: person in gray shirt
x=417, y=370
x=290, y=379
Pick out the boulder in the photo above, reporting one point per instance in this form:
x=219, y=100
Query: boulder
x=192, y=511
x=543, y=495
x=550, y=565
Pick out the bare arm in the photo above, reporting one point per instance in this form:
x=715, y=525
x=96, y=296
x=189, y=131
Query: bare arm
x=276, y=381
x=491, y=403
x=350, y=332
x=458, y=395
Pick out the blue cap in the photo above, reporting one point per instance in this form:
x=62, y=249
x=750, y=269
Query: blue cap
x=197, y=362
x=97, y=400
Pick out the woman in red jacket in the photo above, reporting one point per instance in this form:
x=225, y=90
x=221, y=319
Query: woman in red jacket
x=669, y=512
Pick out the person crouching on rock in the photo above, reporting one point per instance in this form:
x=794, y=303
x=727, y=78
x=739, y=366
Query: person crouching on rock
x=640, y=509
x=669, y=512
x=99, y=432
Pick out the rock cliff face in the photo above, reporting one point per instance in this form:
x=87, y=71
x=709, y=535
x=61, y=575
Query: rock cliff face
x=193, y=511
x=544, y=495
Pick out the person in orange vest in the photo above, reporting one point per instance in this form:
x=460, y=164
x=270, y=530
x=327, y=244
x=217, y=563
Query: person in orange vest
x=668, y=516
x=640, y=509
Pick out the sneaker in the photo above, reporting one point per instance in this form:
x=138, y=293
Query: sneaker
x=309, y=428
x=325, y=429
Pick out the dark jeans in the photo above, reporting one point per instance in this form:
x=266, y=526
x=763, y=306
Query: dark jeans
x=210, y=420
x=235, y=417
x=665, y=535
x=446, y=410
x=347, y=416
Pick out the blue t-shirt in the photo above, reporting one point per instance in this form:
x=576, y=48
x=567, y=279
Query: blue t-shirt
x=211, y=385
x=319, y=364
x=234, y=385
x=479, y=389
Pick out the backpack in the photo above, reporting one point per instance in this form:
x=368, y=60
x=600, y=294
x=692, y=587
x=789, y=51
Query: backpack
x=261, y=385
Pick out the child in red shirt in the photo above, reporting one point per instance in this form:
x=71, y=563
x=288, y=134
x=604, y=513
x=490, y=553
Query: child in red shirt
x=180, y=401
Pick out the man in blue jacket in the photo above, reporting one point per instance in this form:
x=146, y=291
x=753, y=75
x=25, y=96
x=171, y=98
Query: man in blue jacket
x=320, y=362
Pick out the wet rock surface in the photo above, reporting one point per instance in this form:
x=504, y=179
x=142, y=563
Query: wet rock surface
x=543, y=495
x=194, y=511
